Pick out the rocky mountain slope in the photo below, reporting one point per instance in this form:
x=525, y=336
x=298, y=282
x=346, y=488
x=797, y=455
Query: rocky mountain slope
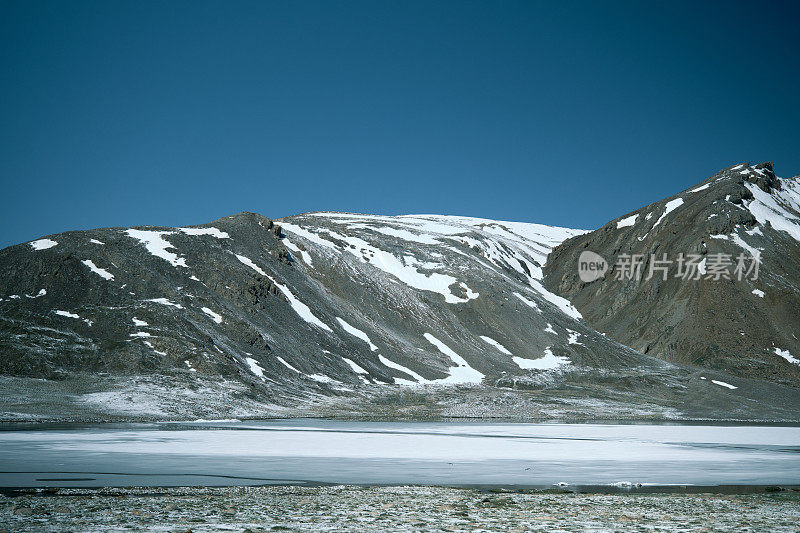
x=746, y=321
x=329, y=314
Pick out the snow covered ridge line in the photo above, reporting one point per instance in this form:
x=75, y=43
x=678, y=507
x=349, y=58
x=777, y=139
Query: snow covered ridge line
x=522, y=247
x=406, y=269
x=156, y=244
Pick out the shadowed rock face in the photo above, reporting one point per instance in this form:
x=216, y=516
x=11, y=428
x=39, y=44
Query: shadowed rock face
x=326, y=314
x=747, y=327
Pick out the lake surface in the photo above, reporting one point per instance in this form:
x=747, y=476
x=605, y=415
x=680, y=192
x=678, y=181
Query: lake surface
x=442, y=453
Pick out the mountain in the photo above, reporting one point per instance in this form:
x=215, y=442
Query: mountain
x=742, y=323
x=331, y=314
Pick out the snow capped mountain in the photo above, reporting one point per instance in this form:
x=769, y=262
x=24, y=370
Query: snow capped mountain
x=333, y=314
x=737, y=311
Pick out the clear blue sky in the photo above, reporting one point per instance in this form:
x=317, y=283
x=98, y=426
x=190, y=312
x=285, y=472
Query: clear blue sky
x=564, y=113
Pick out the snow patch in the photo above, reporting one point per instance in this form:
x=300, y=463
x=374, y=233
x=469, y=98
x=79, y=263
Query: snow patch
x=153, y=348
x=355, y=367
x=214, y=232
x=772, y=208
x=668, y=208
x=357, y=333
x=293, y=247
x=528, y=302
x=300, y=308
x=786, y=355
x=573, y=337
x=562, y=303
x=66, y=314
x=627, y=222
x=723, y=384
x=462, y=373
x=321, y=378
x=400, y=234
x=255, y=368
x=43, y=244
x=758, y=293
x=215, y=316
x=287, y=365
x=164, y=301
x=548, y=362
x=155, y=243
x=496, y=344
x=396, y=366
x=404, y=270
x=247, y=261
x=103, y=273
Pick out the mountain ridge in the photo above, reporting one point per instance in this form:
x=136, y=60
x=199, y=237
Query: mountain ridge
x=334, y=314
x=741, y=210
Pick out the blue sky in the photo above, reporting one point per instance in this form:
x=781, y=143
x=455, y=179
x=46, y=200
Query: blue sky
x=563, y=113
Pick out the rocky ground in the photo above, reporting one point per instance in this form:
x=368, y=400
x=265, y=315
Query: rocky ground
x=347, y=508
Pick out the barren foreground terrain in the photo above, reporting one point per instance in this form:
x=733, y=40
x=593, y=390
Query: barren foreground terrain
x=350, y=508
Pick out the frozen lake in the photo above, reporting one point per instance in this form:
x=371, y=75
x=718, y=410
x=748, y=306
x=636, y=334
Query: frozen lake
x=442, y=453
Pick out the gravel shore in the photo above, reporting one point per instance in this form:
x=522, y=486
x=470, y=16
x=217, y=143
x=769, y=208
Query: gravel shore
x=350, y=508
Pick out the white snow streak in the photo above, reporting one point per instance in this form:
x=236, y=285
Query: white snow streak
x=462, y=373
x=247, y=261
x=528, y=302
x=496, y=344
x=255, y=368
x=391, y=364
x=215, y=316
x=287, y=365
x=723, y=384
x=668, y=208
x=164, y=301
x=356, y=368
x=357, y=333
x=103, y=273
